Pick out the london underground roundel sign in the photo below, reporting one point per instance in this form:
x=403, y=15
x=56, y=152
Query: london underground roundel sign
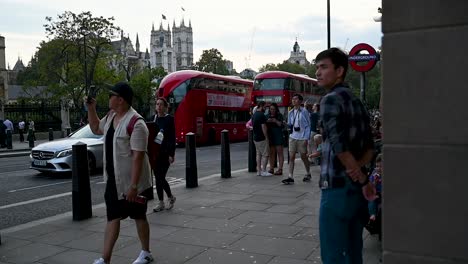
x=370, y=59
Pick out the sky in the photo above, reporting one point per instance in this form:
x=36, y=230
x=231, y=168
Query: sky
x=251, y=33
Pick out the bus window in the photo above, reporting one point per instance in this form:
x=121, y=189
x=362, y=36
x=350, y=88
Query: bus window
x=271, y=84
x=177, y=96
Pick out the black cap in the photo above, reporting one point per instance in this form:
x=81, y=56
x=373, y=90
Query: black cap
x=123, y=90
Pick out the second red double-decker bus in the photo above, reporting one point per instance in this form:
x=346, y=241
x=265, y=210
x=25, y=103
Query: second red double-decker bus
x=279, y=87
x=206, y=104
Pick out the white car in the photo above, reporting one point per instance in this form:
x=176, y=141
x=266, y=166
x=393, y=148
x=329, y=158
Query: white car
x=56, y=156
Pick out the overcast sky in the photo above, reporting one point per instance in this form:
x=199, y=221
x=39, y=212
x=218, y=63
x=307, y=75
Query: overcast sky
x=262, y=30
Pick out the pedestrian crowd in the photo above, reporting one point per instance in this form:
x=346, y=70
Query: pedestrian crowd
x=7, y=125
x=343, y=137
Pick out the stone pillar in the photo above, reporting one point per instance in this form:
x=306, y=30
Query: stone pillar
x=425, y=131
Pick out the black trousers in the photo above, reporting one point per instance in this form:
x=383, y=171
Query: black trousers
x=160, y=171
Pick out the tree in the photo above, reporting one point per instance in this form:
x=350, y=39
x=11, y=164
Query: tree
x=144, y=84
x=268, y=67
x=212, y=61
x=83, y=45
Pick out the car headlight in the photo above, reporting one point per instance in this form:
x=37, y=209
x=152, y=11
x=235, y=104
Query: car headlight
x=64, y=153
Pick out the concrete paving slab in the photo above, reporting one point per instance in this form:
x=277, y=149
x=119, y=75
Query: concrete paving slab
x=170, y=219
x=215, y=224
x=282, y=193
x=290, y=248
x=215, y=256
x=95, y=242
x=165, y=252
x=311, y=234
x=271, y=230
x=34, y=231
x=206, y=238
x=61, y=237
x=308, y=221
x=30, y=253
x=214, y=212
x=287, y=209
x=9, y=243
x=271, y=199
x=281, y=260
x=73, y=256
x=267, y=217
x=243, y=205
x=156, y=231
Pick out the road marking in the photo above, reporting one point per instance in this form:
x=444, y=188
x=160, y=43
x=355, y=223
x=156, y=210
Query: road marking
x=35, y=200
x=39, y=186
x=68, y=214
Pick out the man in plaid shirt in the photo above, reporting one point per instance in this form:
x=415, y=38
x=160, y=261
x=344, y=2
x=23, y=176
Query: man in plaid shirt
x=347, y=147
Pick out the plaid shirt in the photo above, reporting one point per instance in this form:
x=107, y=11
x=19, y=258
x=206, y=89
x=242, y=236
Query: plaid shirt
x=346, y=127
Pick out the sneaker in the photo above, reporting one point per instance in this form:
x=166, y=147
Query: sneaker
x=99, y=261
x=159, y=207
x=265, y=174
x=144, y=258
x=307, y=178
x=171, y=203
x=288, y=181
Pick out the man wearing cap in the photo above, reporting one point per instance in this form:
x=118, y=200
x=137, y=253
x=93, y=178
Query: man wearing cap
x=126, y=169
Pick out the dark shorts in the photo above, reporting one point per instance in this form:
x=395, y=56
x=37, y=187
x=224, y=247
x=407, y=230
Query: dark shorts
x=119, y=208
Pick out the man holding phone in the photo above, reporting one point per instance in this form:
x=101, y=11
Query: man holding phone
x=126, y=169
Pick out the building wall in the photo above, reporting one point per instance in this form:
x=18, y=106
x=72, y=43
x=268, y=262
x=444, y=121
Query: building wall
x=184, y=51
x=425, y=131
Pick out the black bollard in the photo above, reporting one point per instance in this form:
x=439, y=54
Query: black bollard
x=68, y=131
x=252, y=153
x=51, y=134
x=225, y=155
x=191, y=174
x=31, y=138
x=9, y=141
x=81, y=190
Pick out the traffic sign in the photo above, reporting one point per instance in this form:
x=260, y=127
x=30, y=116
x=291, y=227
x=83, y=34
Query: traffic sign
x=355, y=57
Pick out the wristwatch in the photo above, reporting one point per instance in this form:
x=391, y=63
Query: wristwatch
x=134, y=186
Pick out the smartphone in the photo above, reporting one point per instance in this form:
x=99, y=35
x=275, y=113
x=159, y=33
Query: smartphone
x=139, y=198
x=91, y=93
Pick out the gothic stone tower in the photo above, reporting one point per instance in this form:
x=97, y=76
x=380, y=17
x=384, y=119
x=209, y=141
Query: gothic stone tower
x=3, y=74
x=161, y=51
x=183, y=45
x=298, y=56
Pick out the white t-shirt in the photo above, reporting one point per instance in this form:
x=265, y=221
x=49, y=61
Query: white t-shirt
x=21, y=125
x=296, y=117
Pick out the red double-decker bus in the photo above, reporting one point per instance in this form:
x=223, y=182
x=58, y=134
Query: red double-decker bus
x=206, y=104
x=279, y=87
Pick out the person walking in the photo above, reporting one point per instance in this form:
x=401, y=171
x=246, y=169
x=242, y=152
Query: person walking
x=21, y=127
x=275, y=124
x=299, y=129
x=260, y=137
x=165, y=138
x=3, y=129
x=347, y=147
x=126, y=169
x=32, y=129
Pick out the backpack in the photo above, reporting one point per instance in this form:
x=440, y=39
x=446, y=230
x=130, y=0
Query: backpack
x=131, y=124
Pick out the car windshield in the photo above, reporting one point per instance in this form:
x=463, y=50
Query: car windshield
x=84, y=132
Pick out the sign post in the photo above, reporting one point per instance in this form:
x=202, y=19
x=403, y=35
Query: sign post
x=371, y=59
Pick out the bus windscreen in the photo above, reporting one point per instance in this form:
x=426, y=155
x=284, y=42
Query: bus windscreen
x=271, y=84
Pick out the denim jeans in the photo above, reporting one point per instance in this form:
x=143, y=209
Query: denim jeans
x=343, y=214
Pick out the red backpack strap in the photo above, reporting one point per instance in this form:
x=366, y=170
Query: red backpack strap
x=131, y=124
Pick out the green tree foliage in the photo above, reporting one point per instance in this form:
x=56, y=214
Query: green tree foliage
x=77, y=41
x=212, y=61
x=145, y=83
x=268, y=67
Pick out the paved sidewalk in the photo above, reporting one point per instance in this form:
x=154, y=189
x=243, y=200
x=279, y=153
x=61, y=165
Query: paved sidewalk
x=244, y=219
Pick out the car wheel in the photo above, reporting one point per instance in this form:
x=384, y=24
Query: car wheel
x=91, y=163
